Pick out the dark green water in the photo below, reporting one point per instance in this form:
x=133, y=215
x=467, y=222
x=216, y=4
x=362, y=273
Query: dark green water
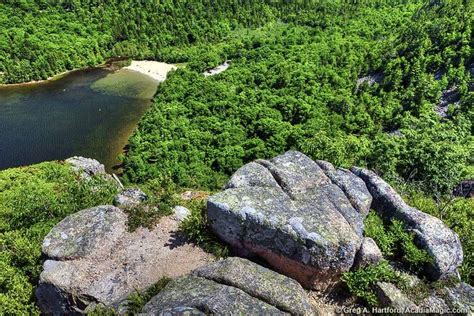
x=87, y=113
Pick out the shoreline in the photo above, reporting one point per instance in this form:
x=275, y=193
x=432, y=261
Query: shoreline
x=154, y=69
x=27, y=83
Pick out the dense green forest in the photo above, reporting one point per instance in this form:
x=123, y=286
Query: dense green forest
x=39, y=39
x=294, y=84
x=352, y=82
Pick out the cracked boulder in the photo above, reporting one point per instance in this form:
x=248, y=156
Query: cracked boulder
x=232, y=286
x=430, y=232
x=305, y=220
x=94, y=259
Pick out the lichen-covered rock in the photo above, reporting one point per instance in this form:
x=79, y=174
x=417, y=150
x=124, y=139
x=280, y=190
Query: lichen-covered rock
x=181, y=311
x=368, y=254
x=81, y=233
x=433, y=302
x=275, y=289
x=300, y=222
x=93, y=259
x=390, y=296
x=130, y=198
x=86, y=166
x=460, y=297
x=252, y=175
x=207, y=296
x=354, y=187
x=431, y=233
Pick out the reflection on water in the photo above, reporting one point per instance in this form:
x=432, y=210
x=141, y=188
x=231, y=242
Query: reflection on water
x=89, y=113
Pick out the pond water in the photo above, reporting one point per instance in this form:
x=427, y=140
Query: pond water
x=88, y=113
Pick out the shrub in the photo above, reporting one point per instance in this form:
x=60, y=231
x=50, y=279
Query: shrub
x=361, y=281
x=196, y=228
x=396, y=242
x=456, y=213
x=137, y=300
x=161, y=199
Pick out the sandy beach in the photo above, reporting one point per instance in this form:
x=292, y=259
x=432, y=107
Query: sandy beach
x=156, y=70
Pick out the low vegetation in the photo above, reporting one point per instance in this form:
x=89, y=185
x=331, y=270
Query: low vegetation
x=361, y=282
x=136, y=301
x=397, y=245
x=196, y=228
x=32, y=200
x=457, y=213
x=395, y=242
x=161, y=200
x=295, y=82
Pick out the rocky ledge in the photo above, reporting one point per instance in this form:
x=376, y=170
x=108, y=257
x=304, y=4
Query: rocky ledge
x=305, y=218
x=296, y=216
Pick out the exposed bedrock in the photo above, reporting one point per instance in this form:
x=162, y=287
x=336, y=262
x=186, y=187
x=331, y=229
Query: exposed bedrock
x=94, y=259
x=232, y=286
x=305, y=218
x=289, y=212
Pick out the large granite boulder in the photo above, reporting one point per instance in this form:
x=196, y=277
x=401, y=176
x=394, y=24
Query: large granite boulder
x=94, y=259
x=431, y=233
x=289, y=212
x=232, y=286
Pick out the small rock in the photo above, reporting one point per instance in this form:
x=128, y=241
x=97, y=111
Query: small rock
x=86, y=166
x=368, y=254
x=390, y=296
x=181, y=213
x=130, y=198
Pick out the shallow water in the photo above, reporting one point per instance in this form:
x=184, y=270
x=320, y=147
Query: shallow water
x=88, y=113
